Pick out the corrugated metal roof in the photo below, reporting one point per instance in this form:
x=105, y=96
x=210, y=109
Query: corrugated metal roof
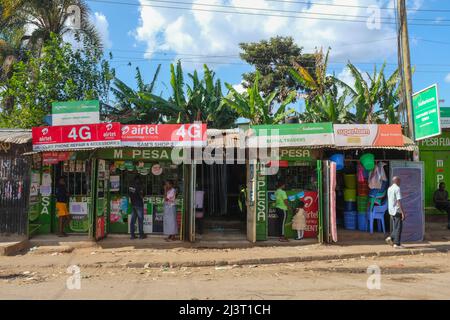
x=18, y=136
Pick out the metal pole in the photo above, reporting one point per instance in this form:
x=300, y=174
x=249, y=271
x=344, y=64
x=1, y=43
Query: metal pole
x=405, y=60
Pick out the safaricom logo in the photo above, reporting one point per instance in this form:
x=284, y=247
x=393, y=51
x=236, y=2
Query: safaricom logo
x=353, y=132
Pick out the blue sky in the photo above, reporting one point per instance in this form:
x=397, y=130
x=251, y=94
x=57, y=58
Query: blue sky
x=146, y=35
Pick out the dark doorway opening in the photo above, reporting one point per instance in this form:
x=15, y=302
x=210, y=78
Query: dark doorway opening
x=224, y=212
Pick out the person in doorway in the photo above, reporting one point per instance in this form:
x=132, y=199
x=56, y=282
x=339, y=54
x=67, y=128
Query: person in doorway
x=137, y=202
x=397, y=213
x=62, y=200
x=441, y=201
x=170, y=211
x=281, y=208
x=299, y=221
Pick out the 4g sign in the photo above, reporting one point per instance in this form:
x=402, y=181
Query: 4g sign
x=77, y=136
x=164, y=135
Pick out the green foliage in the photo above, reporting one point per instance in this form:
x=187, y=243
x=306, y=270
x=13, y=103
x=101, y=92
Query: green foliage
x=198, y=101
x=329, y=107
x=59, y=74
x=131, y=105
x=253, y=106
x=273, y=59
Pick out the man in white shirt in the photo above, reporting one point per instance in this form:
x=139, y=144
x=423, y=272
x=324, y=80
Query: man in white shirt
x=396, y=212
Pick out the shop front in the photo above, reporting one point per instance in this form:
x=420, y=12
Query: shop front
x=435, y=153
x=99, y=169
x=366, y=158
x=290, y=154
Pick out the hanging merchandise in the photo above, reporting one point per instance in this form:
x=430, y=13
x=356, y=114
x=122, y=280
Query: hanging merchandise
x=368, y=161
x=114, y=183
x=339, y=160
x=377, y=176
x=360, y=173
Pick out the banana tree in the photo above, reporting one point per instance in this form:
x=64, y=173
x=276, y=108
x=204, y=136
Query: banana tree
x=130, y=107
x=329, y=107
x=389, y=99
x=253, y=106
x=315, y=85
x=198, y=101
x=365, y=94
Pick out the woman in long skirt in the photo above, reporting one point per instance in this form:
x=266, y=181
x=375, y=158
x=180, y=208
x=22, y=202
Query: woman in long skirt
x=170, y=212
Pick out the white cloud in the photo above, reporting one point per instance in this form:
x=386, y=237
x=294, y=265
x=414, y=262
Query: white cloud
x=239, y=88
x=102, y=25
x=208, y=33
x=447, y=78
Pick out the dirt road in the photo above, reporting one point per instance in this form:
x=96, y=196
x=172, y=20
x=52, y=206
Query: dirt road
x=408, y=277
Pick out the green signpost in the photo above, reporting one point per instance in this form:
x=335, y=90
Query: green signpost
x=426, y=113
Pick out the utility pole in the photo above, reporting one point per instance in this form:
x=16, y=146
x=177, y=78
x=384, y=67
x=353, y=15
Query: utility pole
x=405, y=64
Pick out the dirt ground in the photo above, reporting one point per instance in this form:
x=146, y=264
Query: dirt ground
x=407, y=277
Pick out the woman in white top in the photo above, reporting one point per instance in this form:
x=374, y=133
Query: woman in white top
x=170, y=212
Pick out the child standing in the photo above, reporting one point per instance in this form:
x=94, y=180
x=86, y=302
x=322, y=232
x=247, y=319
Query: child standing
x=299, y=221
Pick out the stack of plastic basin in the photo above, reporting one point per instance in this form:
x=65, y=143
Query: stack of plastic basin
x=350, y=220
x=362, y=221
x=361, y=203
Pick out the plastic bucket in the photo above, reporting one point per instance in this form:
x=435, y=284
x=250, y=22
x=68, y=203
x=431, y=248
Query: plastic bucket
x=350, y=206
x=350, y=220
x=362, y=222
x=339, y=160
x=350, y=195
x=350, y=181
x=368, y=161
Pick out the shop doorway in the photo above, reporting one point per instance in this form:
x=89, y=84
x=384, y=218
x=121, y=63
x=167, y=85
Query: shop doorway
x=224, y=208
x=77, y=177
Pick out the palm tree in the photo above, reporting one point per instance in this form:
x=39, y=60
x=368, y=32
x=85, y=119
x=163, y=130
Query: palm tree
x=130, y=107
x=253, y=106
x=51, y=16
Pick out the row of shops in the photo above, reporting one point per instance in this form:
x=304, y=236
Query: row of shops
x=321, y=165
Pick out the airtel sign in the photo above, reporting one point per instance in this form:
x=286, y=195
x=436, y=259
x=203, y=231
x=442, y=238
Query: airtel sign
x=77, y=136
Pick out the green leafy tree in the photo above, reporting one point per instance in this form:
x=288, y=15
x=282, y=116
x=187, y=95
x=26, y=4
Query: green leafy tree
x=258, y=109
x=58, y=74
x=273, y=59
x=389, y=99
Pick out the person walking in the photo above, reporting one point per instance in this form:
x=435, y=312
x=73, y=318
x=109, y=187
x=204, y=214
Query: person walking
x=137, y=202
x=62, y=198
x=170, y=225
x=442, y=202
x=397, y=213
x=281, y=208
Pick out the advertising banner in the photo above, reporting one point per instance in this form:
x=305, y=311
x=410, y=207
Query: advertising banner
x=75, y=112
x=77, y=136
x=426, y=113
x=411, y=175
x=291, y=135
x=368, y=135
x=164, y=135
x=445, y=118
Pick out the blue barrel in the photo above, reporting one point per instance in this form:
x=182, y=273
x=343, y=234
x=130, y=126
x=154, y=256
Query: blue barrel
x=350, y=220
x=362, y=221
x=350, y=206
